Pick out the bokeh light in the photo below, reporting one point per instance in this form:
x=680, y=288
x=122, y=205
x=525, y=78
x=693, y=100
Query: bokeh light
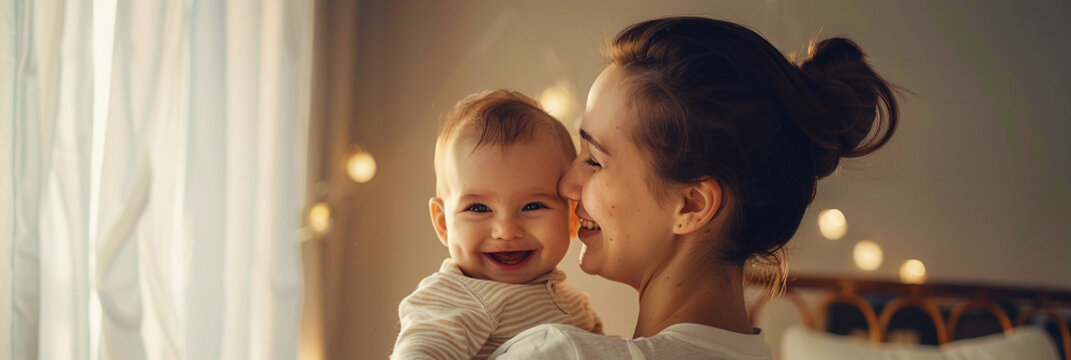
x=832, y=224
x=557, y=100
x=319, y=218
x=361, y=166
x=913, y=272
x=867, y=255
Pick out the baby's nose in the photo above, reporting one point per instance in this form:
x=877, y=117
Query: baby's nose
x=507, y=229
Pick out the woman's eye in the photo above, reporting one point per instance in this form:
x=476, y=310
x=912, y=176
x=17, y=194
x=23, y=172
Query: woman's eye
x=591, y=162
x=533, y=206
x=480, y=208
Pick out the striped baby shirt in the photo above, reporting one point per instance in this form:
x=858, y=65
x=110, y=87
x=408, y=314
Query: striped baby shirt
x=452, y=316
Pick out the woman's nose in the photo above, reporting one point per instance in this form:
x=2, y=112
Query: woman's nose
x=507, y=229
x=569, y=185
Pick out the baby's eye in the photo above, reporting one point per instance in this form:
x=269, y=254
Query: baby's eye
x=534, y=206
x=592, y=163
x=479, y=208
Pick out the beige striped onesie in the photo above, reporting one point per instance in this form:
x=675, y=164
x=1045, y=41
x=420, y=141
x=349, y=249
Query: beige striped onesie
x=452, y=316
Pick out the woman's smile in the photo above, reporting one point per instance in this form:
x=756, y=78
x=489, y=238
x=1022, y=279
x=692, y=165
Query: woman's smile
x=588, y=228
x=589, y=225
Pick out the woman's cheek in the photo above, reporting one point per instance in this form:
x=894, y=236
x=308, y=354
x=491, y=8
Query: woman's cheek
x=611, y=198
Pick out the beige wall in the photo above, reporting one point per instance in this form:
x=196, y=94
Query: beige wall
x=976, y=182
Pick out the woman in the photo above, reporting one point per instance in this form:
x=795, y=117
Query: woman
x=701, y=148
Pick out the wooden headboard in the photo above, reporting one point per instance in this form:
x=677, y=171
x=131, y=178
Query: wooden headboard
x=944, y=303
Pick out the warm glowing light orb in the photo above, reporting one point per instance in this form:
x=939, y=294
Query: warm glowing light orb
x=913, y=272
x=557, y=101
x=867, y=255
x=320, y=218
x=832, y=224
x=361, y=166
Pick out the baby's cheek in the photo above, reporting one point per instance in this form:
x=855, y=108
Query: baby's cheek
x=464, y=236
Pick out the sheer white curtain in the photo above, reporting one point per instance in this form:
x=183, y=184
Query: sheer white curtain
x=170, y=232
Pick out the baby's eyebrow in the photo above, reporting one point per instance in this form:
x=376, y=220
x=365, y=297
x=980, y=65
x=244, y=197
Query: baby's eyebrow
x=586, y=136
x=469, y=197
x=547, y=195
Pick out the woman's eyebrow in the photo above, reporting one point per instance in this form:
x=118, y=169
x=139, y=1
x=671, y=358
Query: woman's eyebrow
x=586, y=136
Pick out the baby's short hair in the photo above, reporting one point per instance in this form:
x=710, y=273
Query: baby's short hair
x=497, y=118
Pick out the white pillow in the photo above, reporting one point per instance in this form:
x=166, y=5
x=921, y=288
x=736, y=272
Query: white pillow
x=800, y=343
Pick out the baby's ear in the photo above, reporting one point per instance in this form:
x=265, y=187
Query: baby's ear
x=438, y=217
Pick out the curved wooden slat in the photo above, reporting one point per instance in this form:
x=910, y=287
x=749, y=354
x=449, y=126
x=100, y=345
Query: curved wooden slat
x=976, y=303
x=1061, y=324
x=914, y=300
x=847, y=297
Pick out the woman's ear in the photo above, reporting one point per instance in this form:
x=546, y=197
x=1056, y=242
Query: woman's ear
x=438, y=218
x=702, y=201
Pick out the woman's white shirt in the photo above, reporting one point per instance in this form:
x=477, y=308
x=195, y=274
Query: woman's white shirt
x=679, y=341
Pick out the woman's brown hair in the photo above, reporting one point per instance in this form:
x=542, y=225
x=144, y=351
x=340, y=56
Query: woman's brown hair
x=717, y=101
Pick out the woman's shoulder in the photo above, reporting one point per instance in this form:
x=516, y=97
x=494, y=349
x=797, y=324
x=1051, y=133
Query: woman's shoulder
x=560, y=341
x=681, y=341
x=695, y=341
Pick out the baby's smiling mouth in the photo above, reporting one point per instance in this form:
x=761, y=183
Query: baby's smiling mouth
x=510, y=257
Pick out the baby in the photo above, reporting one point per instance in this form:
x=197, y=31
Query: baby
x=498, y=160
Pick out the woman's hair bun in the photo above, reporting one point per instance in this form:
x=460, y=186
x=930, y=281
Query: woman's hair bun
x=832, y=51
x=857, y=102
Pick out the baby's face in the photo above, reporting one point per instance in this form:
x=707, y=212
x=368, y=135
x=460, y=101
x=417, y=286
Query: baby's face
x=504, y=218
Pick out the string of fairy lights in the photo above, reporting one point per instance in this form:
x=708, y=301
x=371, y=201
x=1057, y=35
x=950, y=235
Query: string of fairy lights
x=867, y=253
